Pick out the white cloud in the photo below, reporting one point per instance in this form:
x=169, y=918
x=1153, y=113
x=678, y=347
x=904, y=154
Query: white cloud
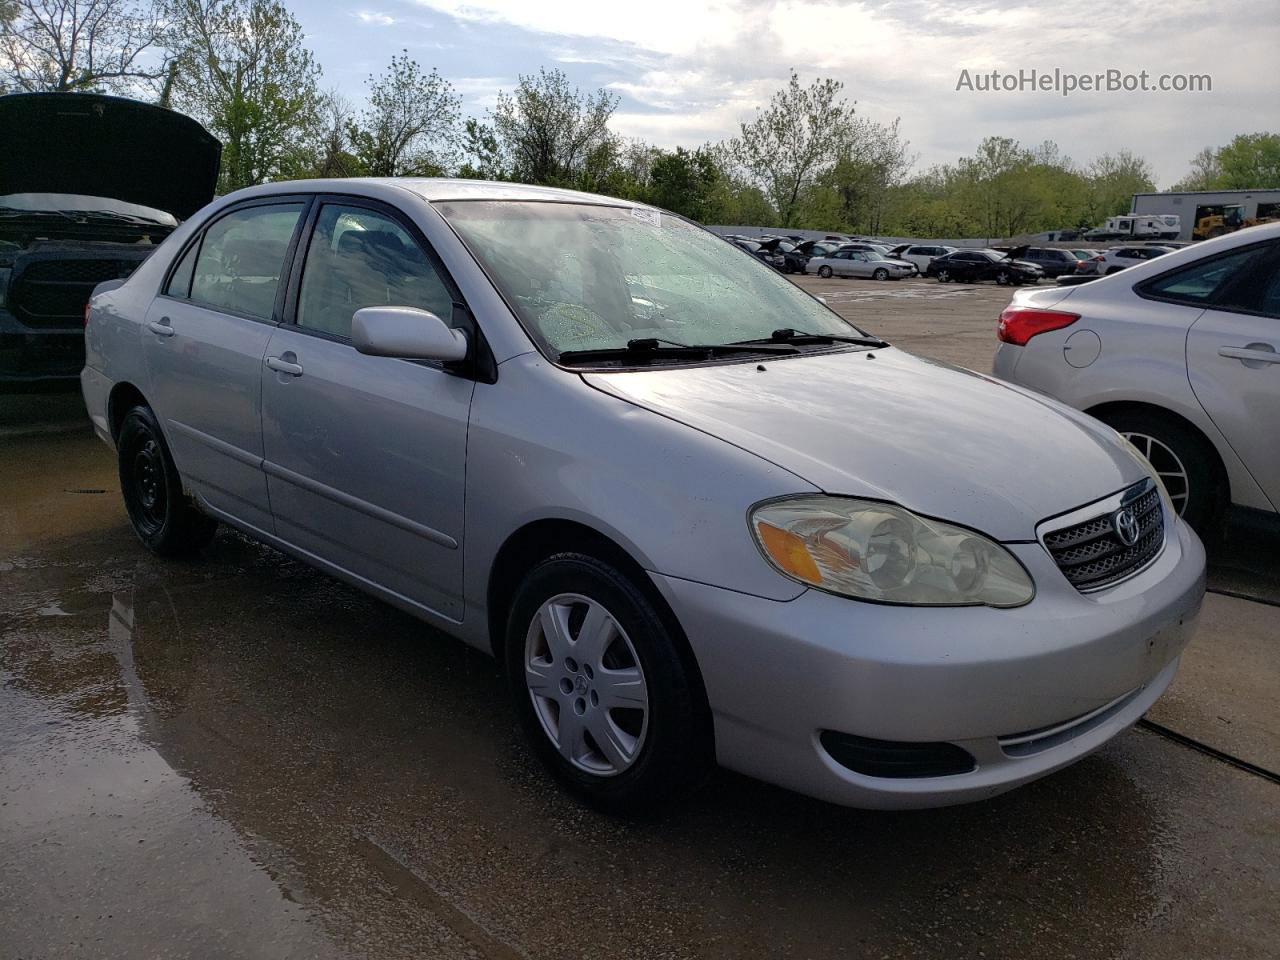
x=372, y=16
x=701, y=68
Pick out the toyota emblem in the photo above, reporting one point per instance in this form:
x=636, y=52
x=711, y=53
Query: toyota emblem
x=1126, y=525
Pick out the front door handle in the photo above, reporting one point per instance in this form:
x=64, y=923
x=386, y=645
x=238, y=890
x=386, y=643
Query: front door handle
x=1253, y=355
x=280, y=365
x=161, y=328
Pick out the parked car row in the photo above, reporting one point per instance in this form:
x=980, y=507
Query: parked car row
x=974, y=266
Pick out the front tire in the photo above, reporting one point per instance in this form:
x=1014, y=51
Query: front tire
x=880, y=274
x=162, y=516
x=1186, y=463
x=1004, y=278
x=600, y=688
x=824, y=272
x=944, y=276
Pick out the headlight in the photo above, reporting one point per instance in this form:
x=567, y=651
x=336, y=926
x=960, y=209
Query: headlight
x=877, y=551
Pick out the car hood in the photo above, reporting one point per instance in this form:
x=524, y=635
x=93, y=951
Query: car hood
x=940, y=440
x=82, y=143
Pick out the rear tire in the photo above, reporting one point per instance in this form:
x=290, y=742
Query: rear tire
x=824, y=272
x=653, y=744
x=944, y=276
x=1186, y=462
x=163, y=517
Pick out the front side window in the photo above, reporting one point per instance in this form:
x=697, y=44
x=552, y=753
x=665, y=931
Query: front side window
x=242, y=257
x=362, y=258
x=587, y=277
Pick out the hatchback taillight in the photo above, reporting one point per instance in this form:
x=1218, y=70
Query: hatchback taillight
x=1020, y=324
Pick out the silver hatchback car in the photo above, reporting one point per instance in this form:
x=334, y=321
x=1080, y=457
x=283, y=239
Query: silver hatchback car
x=696, y=515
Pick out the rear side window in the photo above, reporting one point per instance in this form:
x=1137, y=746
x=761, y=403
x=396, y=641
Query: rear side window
x=180, y=280
x=362, y=258
x=1245, y=279
x=242, y=257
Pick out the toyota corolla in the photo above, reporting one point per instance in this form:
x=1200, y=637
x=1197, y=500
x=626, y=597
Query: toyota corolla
x=696, y=515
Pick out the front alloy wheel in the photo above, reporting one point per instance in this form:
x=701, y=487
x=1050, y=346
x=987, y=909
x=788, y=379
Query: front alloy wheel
x=1004, y=278
x=586, y=684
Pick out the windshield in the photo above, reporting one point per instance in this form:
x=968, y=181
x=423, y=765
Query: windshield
x=585, y=277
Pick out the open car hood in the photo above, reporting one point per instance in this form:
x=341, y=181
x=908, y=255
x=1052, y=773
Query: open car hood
x=94, y=145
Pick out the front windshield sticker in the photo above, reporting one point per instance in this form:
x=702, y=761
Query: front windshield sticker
x=645, y=215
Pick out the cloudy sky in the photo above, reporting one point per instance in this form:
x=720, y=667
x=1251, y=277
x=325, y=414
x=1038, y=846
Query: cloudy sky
x=689, y=71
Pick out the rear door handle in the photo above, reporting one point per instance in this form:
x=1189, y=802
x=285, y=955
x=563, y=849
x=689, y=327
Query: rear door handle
x=161, y=328
x=1253, y=355
x=284, y=366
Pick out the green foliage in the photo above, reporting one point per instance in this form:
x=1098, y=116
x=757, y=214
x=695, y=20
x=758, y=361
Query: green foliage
x=546, y=130
x=243, y=69
x=793, y=140
x=410, y=127
x=480, y=146
x=1251, y=161
x=686, y=182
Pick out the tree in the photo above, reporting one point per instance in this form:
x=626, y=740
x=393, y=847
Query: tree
x=480, y=146
x=243, y=69
x=1113, y=180
x=546, y=129
x=1250, y=161
x=331, y=154
x=685, y=182
x=410, y=127
x=793, y=140
x=80, y=45
x=1205, y=172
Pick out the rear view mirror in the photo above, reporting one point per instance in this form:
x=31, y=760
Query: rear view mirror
x=407, y=333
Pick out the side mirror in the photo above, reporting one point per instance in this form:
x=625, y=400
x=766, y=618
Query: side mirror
x=407, y=333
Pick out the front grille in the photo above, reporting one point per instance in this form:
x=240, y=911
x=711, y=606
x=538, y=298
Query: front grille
x=1091, y=554
x=53, y=292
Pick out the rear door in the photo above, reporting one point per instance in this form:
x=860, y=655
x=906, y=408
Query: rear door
x=205, y=338
x=1233, y=352
x=366, y=456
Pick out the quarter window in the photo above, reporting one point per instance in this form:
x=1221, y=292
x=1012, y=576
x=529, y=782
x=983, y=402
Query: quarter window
x=1237, y=279
x=180, y=280
x=242, y=257
x=361, y=258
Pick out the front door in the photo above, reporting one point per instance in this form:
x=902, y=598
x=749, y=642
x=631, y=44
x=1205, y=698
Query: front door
x=204, y=340
x=366, y=456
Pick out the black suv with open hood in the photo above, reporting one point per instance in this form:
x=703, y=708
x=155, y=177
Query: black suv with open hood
x=89, y=186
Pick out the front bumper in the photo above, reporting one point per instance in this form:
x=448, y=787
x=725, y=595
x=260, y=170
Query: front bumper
x=1074, y=669
x=30, y=356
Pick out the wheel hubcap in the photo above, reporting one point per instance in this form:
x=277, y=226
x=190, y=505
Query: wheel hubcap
x=1167, y=465
x=586, y=684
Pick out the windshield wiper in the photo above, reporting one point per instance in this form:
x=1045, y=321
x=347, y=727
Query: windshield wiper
x=787, y=336
x=649, y=349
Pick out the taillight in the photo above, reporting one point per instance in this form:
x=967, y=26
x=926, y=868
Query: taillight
x=1099, y=258
x=1020, y=324
x=86, y=313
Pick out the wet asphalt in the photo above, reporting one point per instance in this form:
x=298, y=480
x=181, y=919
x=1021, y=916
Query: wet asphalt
x=240, y=757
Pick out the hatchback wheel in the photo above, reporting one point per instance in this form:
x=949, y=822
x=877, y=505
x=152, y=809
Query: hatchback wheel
x=601, y=689
x=880, y=274
x=164, y=519
x=1184, y=461
x=824, y=272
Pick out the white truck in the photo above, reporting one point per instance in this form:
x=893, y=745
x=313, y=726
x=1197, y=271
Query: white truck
x=1164, y=226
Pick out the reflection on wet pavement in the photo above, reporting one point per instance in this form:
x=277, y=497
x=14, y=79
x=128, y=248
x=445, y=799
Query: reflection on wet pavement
x=241, y=757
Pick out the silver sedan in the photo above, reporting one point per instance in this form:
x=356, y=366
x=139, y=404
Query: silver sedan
x=695, y=515
x=857, y=263
x=1181, y=354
